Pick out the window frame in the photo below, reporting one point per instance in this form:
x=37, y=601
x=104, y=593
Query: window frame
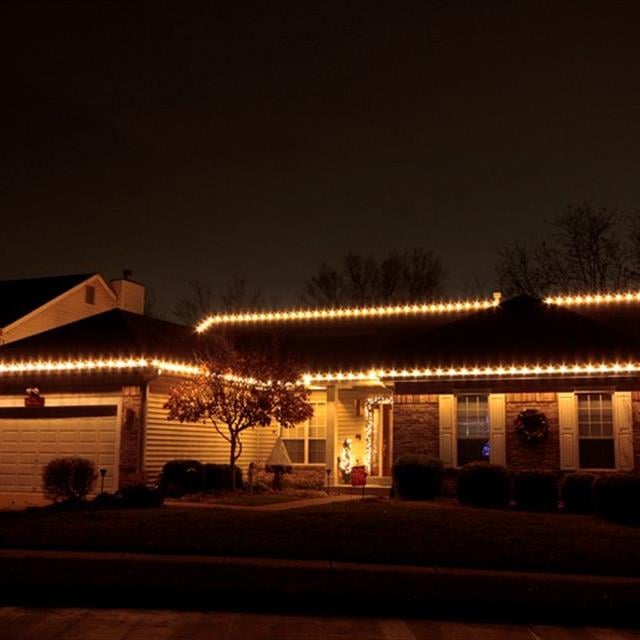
x=457, y=396
x=612, y=438
x=90, y=294
x=306, y=425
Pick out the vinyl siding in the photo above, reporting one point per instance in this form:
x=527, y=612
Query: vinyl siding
x=68, y=308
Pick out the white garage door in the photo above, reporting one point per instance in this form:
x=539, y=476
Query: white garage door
x=29, y=438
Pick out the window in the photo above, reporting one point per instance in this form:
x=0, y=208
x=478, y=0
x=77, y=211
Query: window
x=90, y=294
x=595, y=431
x=473, y=429
x=306, y=442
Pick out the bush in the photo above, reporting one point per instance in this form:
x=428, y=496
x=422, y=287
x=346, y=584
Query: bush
x=535, y=490
x=217, y=477
x=304, y=483
x=417, y=477
x=106, y=500
x=481, y=484
x=617, y=497
x=68, y=479
x=180, y=477
x=139, y=496
x=575, y=490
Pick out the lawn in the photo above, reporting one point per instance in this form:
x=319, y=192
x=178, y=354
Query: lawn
x=383, y=532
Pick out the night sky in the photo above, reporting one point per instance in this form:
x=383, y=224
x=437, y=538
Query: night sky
x=186, y=140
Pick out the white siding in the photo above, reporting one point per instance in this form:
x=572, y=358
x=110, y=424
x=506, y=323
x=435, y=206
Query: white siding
x=170, y=440
x=68, y=308
x=27, y=445
x=349, y=424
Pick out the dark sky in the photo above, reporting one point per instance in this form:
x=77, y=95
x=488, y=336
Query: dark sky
x=186, y=140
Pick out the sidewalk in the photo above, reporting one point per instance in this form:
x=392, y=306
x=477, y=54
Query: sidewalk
x=276, y=506
x=63, y=578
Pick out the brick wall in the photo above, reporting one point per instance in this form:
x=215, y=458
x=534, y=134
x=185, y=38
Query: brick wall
x=302, y=477
x=541, y=455
x=415, y=425
x=131, y=434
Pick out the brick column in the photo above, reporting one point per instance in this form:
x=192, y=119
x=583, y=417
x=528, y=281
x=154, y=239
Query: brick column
x=131, y=435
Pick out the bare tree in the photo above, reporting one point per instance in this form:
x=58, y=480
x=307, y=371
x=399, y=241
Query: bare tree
x=585, y=251
x=238, y=391
x=203, y=300
x=399, y=277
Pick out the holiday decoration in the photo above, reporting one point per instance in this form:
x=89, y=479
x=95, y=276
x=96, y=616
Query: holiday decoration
x=371, y=439
x=531, y=425
x=345, y=462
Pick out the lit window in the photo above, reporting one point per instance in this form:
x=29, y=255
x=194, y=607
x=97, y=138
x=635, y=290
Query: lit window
x=90, y=294
x=472, y=429
x=306, y=442
x=595, y=431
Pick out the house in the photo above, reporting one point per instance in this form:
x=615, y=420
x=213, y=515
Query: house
x=34, y=305
x=448, y=380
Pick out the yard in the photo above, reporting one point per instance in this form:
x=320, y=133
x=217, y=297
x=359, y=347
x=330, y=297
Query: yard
x=440, y=534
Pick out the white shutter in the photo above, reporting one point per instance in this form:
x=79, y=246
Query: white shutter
x=497, y=428
x=623, y=429
x=567, y=423
x=446, y=424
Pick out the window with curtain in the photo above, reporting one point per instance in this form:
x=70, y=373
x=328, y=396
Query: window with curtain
x=595, y=431
x=472, y=428
x=306, y=443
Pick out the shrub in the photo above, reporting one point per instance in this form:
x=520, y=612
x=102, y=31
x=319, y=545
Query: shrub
x=68, y=479
x=139, y=496
x=535, y=490
x=417, y=477
x=106, y=500
x=180, y=477
x=217, y=477
x=481, y=484
x=576, y=489
x=304, y=483
x=617, y=497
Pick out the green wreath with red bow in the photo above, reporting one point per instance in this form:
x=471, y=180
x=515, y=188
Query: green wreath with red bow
x=531, y=425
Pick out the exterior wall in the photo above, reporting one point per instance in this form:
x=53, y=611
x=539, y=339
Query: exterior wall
x=349, y=424
x=635, y=404
x=415, y=425
x=131, y=436
x=542, y=455
x=68, y=308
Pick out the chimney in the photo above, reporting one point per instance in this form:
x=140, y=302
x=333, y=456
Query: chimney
x=129, y=294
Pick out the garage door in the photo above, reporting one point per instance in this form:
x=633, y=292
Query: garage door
x=31, y=437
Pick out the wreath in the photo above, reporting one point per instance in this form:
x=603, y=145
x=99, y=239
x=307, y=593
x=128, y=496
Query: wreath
x=531, y=425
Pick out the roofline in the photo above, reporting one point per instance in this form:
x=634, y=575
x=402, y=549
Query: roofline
x=58, y=298
x=161, y=365
x=585, y=299
x=344, y=313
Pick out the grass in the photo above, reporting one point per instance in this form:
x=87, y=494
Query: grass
x=382, y=532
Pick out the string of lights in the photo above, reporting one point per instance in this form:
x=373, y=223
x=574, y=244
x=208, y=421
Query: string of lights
x=346, y=313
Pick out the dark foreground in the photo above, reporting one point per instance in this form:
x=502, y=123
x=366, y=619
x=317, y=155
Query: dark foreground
x=425, y=534
x=267, y=585
x=128, y=624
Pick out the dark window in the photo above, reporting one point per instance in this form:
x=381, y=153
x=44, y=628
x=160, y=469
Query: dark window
x=90, y=294
x=472, y=429
x=306, y=443
x=595, y=431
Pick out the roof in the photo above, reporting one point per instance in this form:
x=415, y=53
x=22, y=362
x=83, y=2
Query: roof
x=520, y=330
x=113, y=333
x=20, y=297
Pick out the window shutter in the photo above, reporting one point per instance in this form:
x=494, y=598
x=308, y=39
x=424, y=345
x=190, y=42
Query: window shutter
x=623, y=429
x=447, y=429
x=567, y=423
x=497, y=428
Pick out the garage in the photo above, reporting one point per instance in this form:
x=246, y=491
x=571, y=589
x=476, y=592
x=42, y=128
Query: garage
x=32, y=436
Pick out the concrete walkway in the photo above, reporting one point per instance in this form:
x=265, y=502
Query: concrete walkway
x=129, y=624
x=63, y=578
x=276, y=506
